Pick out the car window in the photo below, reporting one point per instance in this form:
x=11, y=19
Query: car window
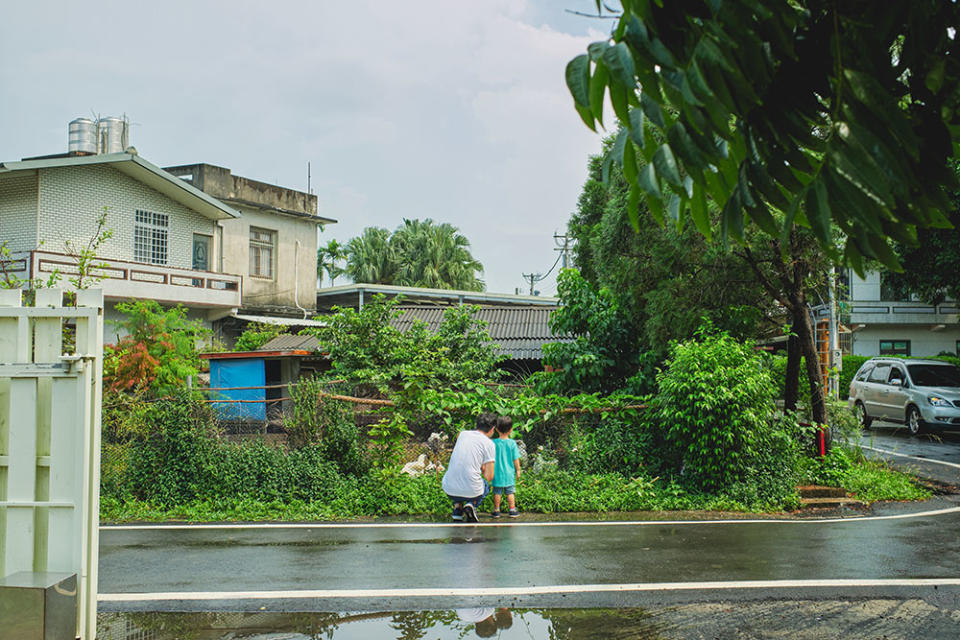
x=896, y=373
x=934, y=375
x=879, y=373
x=864, y=372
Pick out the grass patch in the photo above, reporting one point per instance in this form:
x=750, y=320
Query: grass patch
x=547, y=491
x=867, y=480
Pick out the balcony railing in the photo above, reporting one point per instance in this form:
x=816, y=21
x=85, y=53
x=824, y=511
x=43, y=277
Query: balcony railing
x=886, y=312
x=121, y=279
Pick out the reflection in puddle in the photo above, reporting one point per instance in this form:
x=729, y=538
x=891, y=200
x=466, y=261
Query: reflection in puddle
x=535, y=624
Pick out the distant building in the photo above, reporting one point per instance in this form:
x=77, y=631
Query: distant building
x=230, y=249
x=880, y=324
x=273, y=243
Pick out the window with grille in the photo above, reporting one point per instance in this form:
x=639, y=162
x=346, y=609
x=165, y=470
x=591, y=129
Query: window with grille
x=262, y=246
x=150, y=237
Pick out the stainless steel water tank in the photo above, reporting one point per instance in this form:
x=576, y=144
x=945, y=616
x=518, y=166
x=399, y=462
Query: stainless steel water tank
x=82, y=136
x=113, y=135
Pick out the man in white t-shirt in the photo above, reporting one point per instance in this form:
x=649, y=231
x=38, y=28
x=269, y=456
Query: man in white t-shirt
x=468, y=476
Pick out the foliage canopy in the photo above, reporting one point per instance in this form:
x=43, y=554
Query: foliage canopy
x=836, y=113
x=419, y=253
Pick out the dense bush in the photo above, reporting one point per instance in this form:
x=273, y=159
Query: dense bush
x=718, y=421
x=182, y=459
x=851, y=364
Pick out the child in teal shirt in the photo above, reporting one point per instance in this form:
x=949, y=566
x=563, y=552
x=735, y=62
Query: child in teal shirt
x=506, y=468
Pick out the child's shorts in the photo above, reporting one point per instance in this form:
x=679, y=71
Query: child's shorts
x=505, y=491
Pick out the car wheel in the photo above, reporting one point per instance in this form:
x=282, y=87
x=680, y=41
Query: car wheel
x=915, y=422
x=862, y=417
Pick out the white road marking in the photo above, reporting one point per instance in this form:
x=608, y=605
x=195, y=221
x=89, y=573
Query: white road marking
x=520, y=591
x=426, y=525
x=903, y=455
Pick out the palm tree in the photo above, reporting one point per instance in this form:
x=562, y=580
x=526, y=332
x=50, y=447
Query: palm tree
x=327, y=258
x=420, y=253
x=370, y=258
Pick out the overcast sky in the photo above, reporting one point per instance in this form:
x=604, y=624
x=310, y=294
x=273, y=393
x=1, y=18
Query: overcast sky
x=454, y=110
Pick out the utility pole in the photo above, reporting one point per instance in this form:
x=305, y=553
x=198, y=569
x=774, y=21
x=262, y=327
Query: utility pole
x=563, y=245
x=533, y=278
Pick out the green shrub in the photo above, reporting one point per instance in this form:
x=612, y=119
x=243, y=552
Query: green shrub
x=619, y=442
x=851, y=364
x=718, y=420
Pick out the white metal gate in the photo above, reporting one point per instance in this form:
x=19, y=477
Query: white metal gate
x=50, y=440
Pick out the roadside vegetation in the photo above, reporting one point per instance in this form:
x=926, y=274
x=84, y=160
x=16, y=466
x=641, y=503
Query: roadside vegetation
x=700, y=432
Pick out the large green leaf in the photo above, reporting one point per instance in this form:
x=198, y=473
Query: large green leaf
x=618, y=98
x=635, y=123
x=598, y=82
x=818, y=210
x=652, y=110
x=629, y=162
x=649, y=183
x=699, y=211
x=619, y=61
x=875, y=98
x=578, y=80
x=666, y=165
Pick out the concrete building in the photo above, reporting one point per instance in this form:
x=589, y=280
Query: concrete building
x=273, y=244
x=230, y=249
x=881, y=325
x=49, y=209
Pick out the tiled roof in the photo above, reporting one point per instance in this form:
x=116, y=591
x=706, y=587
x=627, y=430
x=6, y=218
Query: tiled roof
x=520, y=332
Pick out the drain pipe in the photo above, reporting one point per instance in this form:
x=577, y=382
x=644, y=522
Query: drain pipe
x=296, y=279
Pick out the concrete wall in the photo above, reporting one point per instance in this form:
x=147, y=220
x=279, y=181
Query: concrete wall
x=71, y=198
x=867, y=288
x=18, y=212
x=220, y=183
x=923, y=341
x=295, y=268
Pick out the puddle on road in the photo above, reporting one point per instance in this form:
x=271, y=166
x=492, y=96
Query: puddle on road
x=529, y=624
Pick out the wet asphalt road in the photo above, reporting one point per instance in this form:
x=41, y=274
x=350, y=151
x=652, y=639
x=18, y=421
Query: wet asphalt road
x=921, y=454
x=354, y=568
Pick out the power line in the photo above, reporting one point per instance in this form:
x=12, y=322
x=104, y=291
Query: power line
x=534, y=278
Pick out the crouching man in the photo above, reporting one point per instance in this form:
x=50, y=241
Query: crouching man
x=467, y=479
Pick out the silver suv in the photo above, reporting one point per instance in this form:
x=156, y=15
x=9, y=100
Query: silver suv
x=923, y=394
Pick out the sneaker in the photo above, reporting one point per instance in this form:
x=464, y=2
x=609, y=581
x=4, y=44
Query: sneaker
x=514, y=513
x=458, y=517
x=494, y=514
x=470, y=513
x=458, y=513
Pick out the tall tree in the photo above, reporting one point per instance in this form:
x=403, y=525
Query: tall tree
x=370, y=258
x=419, y=253
x=329, y=257
x=838, y=114
x=672, y=278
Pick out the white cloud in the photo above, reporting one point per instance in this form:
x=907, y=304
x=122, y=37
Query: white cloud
x=449, y=109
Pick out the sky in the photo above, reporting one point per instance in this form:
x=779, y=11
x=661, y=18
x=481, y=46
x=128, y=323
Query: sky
x=453, y=110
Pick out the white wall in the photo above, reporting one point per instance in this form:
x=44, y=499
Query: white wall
x=18, y=212
x=71, y=198
x=923, y=341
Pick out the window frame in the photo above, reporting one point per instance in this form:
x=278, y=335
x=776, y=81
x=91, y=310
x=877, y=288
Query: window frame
x=257, y=246
x=151, y=237
x=893, y=350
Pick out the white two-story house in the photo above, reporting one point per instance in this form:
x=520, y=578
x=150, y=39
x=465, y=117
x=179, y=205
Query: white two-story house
x=881, y=324
x=230, y=249
x=49, y=209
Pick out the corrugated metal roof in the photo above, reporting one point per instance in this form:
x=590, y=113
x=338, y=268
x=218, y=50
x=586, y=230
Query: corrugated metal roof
x=520, y=332
x=291, y=343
